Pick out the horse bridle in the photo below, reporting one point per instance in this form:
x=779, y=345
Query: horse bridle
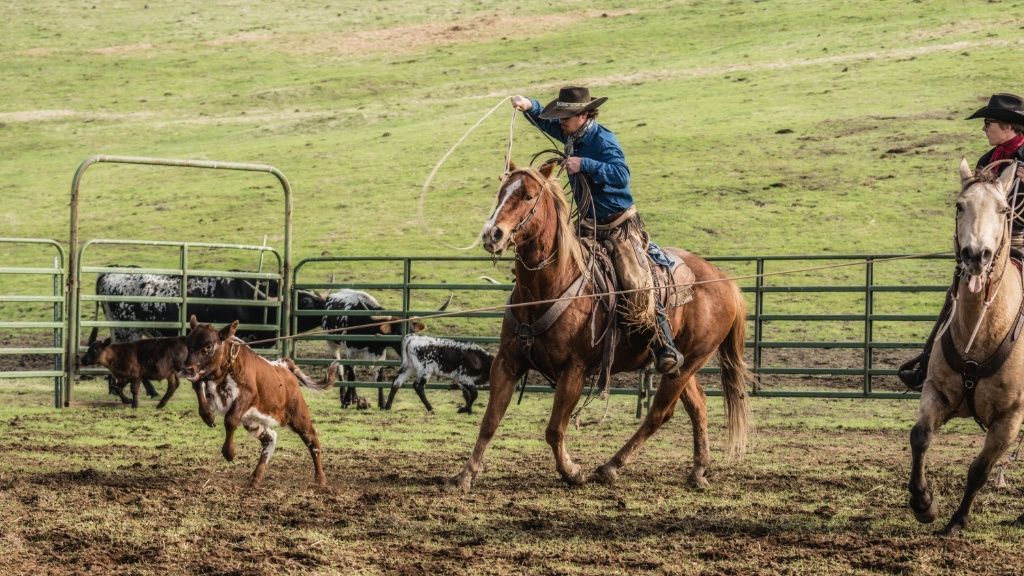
x=529, y=216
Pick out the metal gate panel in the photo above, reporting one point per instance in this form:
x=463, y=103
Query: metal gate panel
x=55, y=320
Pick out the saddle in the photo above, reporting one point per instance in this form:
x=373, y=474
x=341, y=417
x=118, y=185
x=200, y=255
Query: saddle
x=673, y=279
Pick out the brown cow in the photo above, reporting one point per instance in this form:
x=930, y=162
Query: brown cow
x=141, y=361
x=253, y=391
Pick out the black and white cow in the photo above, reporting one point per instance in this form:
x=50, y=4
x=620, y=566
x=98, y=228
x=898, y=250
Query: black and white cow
x=467, y=365
x=162, y=285
x=346, y=300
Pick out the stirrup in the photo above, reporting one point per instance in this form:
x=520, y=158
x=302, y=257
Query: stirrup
x=913, y=372
x=668, y=360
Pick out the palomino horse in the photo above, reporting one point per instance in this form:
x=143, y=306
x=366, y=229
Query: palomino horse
x=533, y=217
x=983, y=378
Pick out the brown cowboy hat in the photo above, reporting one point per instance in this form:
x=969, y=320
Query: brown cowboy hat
x=1007, y=108
x=572, y=100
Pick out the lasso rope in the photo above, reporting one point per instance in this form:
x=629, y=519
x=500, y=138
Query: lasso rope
x=430, y=178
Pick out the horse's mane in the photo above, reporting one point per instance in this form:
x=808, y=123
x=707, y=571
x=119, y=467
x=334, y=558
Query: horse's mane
x=567, y=245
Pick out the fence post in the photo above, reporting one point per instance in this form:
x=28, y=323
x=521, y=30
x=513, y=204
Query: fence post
x=758, y=328
x=869, y=309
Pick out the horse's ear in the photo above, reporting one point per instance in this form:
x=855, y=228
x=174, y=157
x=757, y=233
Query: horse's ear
x=546, y=169
x=1006, y=178
x=511, y=165
x=92, y=335
x=965, y=171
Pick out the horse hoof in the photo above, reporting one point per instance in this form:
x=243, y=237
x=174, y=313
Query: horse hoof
x=925, y=514
x=699, y=482
x=952, y=529
x=459, y=483
x=605, y=474
x=574, y=477
x=228, y=453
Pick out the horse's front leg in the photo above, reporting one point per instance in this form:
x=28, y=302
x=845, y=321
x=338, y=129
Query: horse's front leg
x=932, y=412
x=504, y=373
x=1000, y=434
x=567, y=394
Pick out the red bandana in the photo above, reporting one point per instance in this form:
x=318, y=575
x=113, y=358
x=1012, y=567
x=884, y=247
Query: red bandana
x=1006, y=150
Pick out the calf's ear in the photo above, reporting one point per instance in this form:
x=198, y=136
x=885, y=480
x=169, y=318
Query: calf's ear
x=192, y=322
x=418, y=326
x=229, y=330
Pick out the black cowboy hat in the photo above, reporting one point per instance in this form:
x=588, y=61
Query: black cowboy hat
x=1007, y=108
x=572, y=100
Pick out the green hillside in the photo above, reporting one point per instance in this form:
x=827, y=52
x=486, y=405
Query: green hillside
x=751, y=127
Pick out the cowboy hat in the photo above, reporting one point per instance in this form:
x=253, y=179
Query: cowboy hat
x=572, y=100
x=1007, y=108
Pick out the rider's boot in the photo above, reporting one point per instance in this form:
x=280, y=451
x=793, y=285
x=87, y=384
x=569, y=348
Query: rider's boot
x=913, y=372
x=667, y=360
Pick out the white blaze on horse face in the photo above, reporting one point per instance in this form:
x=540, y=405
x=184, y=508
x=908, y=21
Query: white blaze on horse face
x=510, y=188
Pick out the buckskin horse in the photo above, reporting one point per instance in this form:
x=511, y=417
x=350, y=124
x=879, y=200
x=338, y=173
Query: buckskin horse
x=983, y=379
x=533, y=216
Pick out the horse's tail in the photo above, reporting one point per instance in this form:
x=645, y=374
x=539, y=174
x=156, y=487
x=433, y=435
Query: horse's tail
x=735, y=378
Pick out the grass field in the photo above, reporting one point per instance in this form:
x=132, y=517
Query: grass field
x=751, y=127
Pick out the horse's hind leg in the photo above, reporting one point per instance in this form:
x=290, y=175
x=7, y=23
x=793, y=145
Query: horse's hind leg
x=696, y=406
x=1000, y=434
x=567, y=394
x=504, y=373
x=661, y=411
x=932, y=413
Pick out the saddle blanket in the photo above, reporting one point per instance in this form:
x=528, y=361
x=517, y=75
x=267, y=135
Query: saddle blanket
x=672, y=277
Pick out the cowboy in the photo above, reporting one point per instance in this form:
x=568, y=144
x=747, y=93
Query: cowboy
x=599, y=178
x=1004, y=128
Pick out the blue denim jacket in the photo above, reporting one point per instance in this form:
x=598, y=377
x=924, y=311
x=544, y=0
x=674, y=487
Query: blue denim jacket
x=602, y=162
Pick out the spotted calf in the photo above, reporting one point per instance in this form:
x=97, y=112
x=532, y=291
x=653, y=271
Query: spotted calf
x=423, y=357
x=253, y=392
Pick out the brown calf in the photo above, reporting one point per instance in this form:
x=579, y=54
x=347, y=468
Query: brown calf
x=143, y=360
x=252, y=391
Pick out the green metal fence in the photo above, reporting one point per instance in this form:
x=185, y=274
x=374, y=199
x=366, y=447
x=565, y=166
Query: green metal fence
x=74, y=288
x=822, y=326
x=35, y=304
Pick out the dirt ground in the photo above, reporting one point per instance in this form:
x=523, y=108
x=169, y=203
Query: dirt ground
x=100, y=489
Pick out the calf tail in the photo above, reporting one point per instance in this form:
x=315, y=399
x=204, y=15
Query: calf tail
x=304, y=380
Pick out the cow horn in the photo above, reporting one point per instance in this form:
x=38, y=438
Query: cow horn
x=445, y=305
